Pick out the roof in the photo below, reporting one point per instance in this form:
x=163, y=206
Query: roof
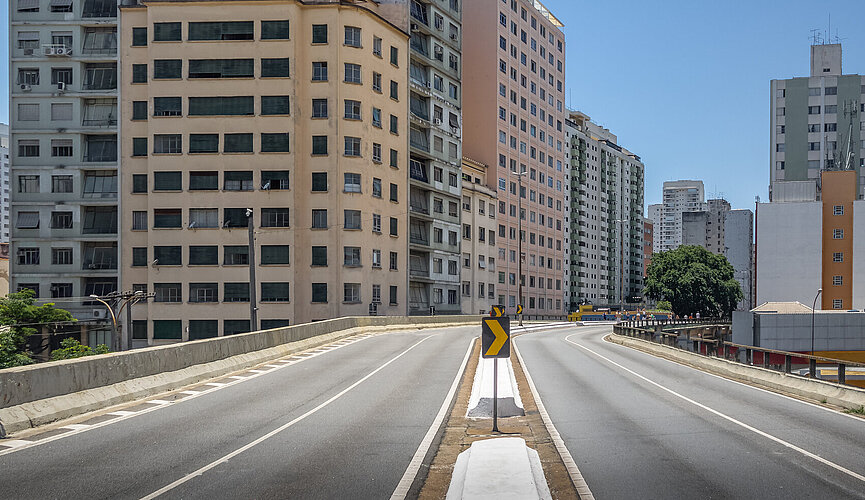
x=782, y=308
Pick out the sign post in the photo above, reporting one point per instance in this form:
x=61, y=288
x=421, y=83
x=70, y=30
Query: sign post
x=495, y=344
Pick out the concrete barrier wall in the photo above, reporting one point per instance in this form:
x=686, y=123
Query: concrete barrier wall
x=819, y=390
x=46, y=380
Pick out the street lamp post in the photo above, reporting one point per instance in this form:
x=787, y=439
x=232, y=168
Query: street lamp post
x=130, y=299
x=253, y=302
x=115, y=340
x=812, y=365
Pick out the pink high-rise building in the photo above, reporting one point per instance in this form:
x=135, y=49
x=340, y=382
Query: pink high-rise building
x=513, y=121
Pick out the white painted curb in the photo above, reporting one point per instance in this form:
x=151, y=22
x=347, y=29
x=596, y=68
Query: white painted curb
x=498, y=469
x=481, y=399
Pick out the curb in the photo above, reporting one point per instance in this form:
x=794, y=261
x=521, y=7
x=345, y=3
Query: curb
x=814, y=389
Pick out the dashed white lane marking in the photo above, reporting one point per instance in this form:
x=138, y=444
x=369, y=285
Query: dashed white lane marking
x=123, y=414
x=238, y=377
x=402, y=489
x=14, y=443
x=273, y=366
x=75, y=427
x=258, y=371
x=279, y=429
x=726, y=417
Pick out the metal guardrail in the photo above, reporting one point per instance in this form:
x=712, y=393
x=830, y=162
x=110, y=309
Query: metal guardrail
x=715, y=345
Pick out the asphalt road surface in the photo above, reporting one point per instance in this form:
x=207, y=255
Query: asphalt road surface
x=344, y=423
x=639, y=426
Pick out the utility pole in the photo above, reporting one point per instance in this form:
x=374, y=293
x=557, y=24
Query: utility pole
x=253, y=301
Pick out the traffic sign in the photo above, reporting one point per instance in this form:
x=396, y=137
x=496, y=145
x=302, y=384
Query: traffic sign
x=497, y=311
x=520, y=309
x=496, y=338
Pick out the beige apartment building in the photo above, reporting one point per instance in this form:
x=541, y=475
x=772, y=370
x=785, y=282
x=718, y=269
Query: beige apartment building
x=514, y=122
x=294, y=111
x=479, y=240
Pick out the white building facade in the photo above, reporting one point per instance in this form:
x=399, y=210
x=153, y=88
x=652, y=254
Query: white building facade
x=478, y=272
x=678, y=197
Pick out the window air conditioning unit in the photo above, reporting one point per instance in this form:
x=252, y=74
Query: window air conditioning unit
x=61, y=86
x=67, y=51
x=99, y=313
x=25, y=87
x=48, y=51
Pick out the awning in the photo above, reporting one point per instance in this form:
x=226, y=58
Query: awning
x=59, y=3
x=28, y=4
x=28, y=35
x=27, y=220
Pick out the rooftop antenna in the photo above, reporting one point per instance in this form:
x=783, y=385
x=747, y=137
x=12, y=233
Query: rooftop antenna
x=815, y=36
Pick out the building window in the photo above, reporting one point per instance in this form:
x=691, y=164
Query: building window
x=352, y=73
x=351, y=293
x=352, y=36
x=352, y=110
x=319, y=71
x=837, y=280
x=166, y=32
x=274, y=217
x=275, y=254
x=352, y=219
x=139, y=183
x=394, y=225
x=167, y=292
x=352, y=146
x=167, y=329
x=235, y=255
x=139, y=147
x=838, y=210
x=352, y=183
x=376, y=187
x=203, y=218
x=319, y=293
x=351, y=257
x=203, y=143
x=235, y=292
x=319, y=256
x=274, y=68
x=376, y=152
x=394, y=193
x=139, y=220
x=838, y=257
x=139, y=37
x=167, y=256
x=226, y=30
x=167, y=69
x=274, y=292
x=167, y=181
x=319, y=108
x=167, y=218
x=319, y=218
x=28, y=183
x=61, y=256
x=394, y=258
x=61, y=183
x=237, y=143
x=376, y=223
x=319, y=33
x=275, y=105
x=319, y=182
x=275, y=30
x=235, y=217
x=203, y=292
x=237, y=180
x=838, y=234
x=28, y=256
x=274, y=180
x=139, y=73
x=274, y=143
x=61, y=220
x=28, y=148
x=837, y=304
x=203, y=255
x=319, y=145
x=221, y=68
x=167, y=144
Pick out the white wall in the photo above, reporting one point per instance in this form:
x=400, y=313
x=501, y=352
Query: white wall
x=858, y=255
x=789, y=252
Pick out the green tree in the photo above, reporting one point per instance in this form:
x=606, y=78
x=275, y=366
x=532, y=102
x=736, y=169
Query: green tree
x=71, y=348
x=694, y=281
x=18, y=315
x=665, y=305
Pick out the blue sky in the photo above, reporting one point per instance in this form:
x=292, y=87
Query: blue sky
x=683, y=84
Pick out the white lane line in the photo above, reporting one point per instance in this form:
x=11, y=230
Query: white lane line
x=404, y=485
x=577, y=478
x=238, y=377
x=191, y=394
x=743, y=384
x=258, y=371
x=273, y=366
x=75, y=427
x=279, y=429
x=158, y=401
x=14, y=443
x=122, y=413
x=766, y=435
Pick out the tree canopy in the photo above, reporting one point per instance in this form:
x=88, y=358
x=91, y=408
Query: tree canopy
x=19, y=315
x=693, y=280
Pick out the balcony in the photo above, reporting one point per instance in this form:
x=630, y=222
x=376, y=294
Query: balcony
x=100, y=256
x=419, y=233
x=418, y=171
x=419, y=139
x=100, y=113
x=99, y=8
x=100, y=42
x=100, y=148
x=418, y=266
x=100, y=76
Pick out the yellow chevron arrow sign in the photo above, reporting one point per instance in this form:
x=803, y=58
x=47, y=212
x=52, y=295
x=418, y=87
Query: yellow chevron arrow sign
x=496, y=337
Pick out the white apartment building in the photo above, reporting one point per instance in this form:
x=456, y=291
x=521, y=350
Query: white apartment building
x=64, y=220
x=479, y=251
x=4, y=177
x=678, y=197
x=606, y=220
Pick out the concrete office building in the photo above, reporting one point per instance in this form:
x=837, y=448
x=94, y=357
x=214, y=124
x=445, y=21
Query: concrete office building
x=816, y=125
x=4, y=177
x=803, y=246
x=435, y=142
x=706, y=228
x=64, y=149
x=739, y=250
x=678, y=197
x=297, y=111
x=479, y=253
x=607, y=225
x=514, y=122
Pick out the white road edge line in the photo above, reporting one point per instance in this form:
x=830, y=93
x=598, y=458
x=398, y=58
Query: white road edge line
x=202, y=470
x=404, y=485
x=766, y=435
x=577, y=478
x=743, y=384
x=191, y=395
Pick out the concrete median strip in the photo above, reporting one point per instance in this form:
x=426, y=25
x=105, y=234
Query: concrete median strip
x=481, y=401
x=35, y=395
x=813, y=389
x=501, y=468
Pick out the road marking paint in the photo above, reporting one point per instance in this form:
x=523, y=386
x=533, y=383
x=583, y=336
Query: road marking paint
x=122, y=413
x=743, y=384
x=238, y=377
x=279, y=429
x=257, y=371
x=158, y=401
x=408, y=477
x=577, y=478
x=273, y=366
x=14, y=443
x=730, y=419
x=75, y=427
x=191, y=394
